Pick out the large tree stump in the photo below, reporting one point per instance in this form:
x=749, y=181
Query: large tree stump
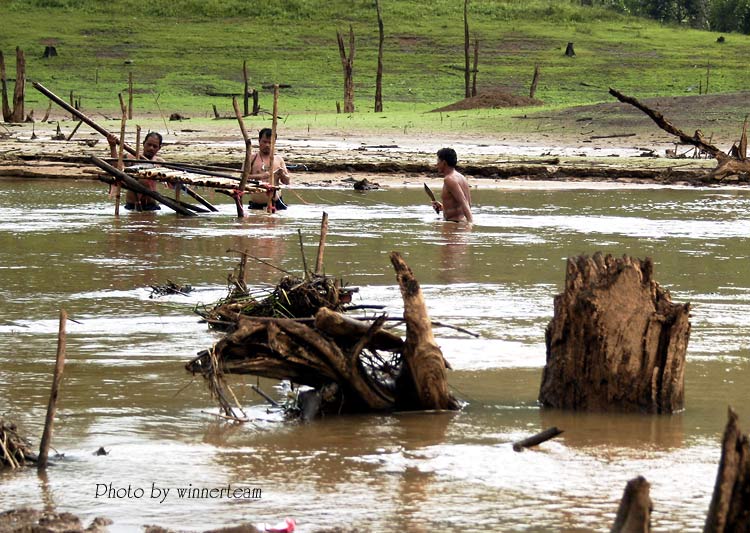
x=634, y=513
x=423, y=359
x=730, y=504
x=616, y=341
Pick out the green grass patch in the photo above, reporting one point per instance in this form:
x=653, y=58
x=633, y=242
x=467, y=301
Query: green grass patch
x=181, y=51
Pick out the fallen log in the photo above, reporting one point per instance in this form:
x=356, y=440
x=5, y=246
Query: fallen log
x=616, y=341
x=634, y=513
x=730, y=505
x=535, y=440
x=727, y=164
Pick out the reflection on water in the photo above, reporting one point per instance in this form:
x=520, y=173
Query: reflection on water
x=126, y=389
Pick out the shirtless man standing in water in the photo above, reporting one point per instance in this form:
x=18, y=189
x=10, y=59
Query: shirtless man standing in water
x=456, y=198
x=151, y=146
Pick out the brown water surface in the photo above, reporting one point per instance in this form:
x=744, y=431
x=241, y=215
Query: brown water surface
x=125, y=387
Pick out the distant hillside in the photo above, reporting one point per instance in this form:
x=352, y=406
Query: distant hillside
x=187, y=55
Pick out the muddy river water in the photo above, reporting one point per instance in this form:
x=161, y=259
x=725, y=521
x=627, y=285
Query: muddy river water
x=126, y=389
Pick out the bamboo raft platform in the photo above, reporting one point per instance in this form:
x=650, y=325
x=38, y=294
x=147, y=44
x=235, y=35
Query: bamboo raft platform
x=176, y=177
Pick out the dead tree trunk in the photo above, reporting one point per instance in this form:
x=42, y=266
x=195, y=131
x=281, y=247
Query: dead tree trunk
x=256, y=103
x=379, y=74
x=616, y=341
x=347, y=62
x=18, y=94
x=246, y=92
x=467, y=72
x=422, y=356
x=4, y=81
x=730, y=504
x=534, y=81
x=634, y=513
x=475, y=69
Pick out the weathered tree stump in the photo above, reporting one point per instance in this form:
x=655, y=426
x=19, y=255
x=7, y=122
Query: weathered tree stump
x=616, y=341
x=730, y=504
x=634, y=513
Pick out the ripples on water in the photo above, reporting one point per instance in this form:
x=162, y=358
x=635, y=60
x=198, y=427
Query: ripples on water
x=125, y=387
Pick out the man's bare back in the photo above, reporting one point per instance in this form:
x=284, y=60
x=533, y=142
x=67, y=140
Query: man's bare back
x=456, y=196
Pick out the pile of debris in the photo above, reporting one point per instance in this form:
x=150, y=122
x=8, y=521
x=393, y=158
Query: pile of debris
x=15, y=451
x=350, y=364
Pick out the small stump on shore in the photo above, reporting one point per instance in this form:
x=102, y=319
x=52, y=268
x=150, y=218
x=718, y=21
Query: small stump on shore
x=616, y=341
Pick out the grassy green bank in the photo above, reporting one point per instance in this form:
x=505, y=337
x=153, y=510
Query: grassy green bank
x=182, y=51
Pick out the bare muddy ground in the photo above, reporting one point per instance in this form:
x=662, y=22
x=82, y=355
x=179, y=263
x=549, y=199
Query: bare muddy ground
x=607, y=142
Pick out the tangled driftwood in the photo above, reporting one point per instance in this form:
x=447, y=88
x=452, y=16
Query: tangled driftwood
x=15, y=451
x=353, y=365
x=616, y=341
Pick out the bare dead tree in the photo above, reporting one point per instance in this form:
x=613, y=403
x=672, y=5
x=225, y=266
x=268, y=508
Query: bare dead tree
x=467, y=72
x=534, y=81
x=246, y=92
x=18, y=114
x=3, y=80
x=474, y=70
x=379, y=75
x=347, y=62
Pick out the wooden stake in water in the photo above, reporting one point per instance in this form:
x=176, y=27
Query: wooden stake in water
x=137, y=142
x=246, y=170
x=121, y=152
x=321, y=244
x=56, y=380
x=271, y=208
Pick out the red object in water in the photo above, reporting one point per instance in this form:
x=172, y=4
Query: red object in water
x=287, y=526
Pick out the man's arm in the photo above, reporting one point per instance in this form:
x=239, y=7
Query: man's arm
x=282, y=174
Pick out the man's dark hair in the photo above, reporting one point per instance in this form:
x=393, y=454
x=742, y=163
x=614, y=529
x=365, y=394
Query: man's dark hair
x=153, y=134
x=265, y=132
x=449, y=156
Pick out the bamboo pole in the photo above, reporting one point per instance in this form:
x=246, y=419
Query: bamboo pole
x=271, y=208
x=120, y=153
x=246, y=170
x=321, y=244
x=133, y=184
x=76, y=113
x=56, y=380
x=137, y=142
x=74, y=129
